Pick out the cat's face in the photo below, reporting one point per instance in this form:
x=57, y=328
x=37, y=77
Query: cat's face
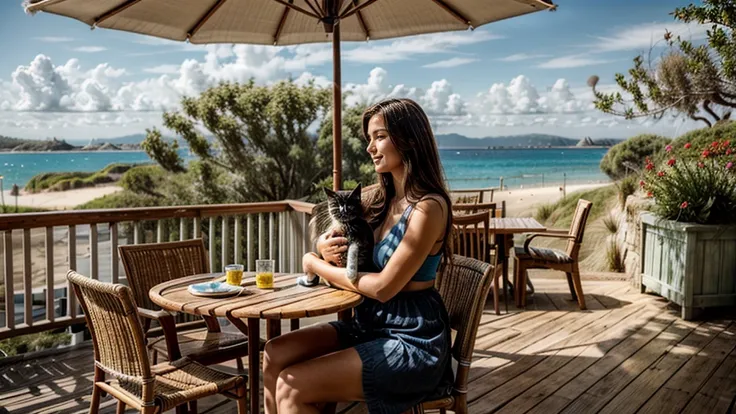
x=344, y=206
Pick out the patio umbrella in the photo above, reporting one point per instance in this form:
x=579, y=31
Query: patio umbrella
x=289, y=22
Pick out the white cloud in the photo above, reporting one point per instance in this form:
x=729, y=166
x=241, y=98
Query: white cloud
x=403, y=49
x=54, y=39
x=90, y=49
x=161, y=69
x=518, y=57
x=571, y=61
x=450, y=63
x=644, y=36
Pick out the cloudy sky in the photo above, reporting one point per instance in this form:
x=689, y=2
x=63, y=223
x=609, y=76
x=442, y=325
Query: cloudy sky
x=522, y=75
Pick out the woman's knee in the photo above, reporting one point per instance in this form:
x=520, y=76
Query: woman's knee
x=287, y=389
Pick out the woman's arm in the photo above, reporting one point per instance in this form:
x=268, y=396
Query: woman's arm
x=426, y=226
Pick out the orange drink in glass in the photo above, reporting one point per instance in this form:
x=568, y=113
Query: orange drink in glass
x=264, y=274
x=234, y=274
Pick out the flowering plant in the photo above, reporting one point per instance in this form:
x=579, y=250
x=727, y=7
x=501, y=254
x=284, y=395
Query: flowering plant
x=694, y=187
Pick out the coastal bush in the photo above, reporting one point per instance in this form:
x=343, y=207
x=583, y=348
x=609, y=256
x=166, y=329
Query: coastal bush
x=34, y=342
x=699, y=138
x=626, y=158
x=626, y=187
x=63, y=181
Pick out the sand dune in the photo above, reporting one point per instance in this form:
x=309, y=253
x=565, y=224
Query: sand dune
x=60, y=200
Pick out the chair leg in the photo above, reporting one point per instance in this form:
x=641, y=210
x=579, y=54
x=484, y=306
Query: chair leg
x=578, y=287
x=193, y=407
x=242, y=405
x=181, y=409
x=329, y=408
x=571, y=286
x=154, y=357
x=120, y=408
x=239, y=365
x=496, y=299
x=94, y=404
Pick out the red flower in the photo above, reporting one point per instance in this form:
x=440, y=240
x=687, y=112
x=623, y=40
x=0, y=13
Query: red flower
x=649, y=194
x=728, y=151
x=726, y=143
x=684, y=204
x=714, y=144
x=641, y=183
x=671, y=162
x=688, y=145
x=650, y=166
x=660, y=174
x=701, y=165
x=706, y=153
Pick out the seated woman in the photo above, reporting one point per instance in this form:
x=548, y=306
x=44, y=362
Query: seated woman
x=395, y=353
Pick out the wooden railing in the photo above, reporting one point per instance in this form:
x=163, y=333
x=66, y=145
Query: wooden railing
x=39, y=248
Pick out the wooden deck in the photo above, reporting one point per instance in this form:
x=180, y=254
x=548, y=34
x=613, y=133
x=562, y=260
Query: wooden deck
x=628, y=353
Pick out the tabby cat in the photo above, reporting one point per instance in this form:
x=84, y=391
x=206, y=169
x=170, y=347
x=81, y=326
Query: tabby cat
x=346, y=213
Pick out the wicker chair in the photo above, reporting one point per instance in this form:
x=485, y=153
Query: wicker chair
x=464, y=287
x=120, y=353
x=528, y=257
x=147, y=265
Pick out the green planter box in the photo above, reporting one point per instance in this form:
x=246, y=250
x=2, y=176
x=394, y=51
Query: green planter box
x=693, y=265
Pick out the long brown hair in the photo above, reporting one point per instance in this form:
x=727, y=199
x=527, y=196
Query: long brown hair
x=410, y=132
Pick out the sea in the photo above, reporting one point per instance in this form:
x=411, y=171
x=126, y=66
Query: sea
x=464, y=168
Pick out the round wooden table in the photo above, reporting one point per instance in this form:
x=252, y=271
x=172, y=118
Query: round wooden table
x=287, y=300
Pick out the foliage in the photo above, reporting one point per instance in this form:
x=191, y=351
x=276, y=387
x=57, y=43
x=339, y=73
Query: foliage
x=614, y=258
x=62, y=181
x=34, y=342
x=624, y=159
x=698, y=82
x=564, y=209
x=9, y=208
x=626, y=187
x=356, y=165
x=701, y=190
x=611, y=223
x=699, y=138
x=260, y=149
x=544, y=211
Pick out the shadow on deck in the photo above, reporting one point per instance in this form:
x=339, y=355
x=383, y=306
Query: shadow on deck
x=629, y=352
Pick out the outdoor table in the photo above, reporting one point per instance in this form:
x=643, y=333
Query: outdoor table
x=287, y=300
x=506, y=227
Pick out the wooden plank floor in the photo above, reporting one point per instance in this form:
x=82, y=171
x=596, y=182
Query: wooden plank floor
x=627, y=353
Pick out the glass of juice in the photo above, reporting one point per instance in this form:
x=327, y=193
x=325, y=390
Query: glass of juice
x=234, y=274
x=264, y=274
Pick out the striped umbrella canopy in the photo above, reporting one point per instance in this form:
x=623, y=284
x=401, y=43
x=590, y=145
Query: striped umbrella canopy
x=289, y=22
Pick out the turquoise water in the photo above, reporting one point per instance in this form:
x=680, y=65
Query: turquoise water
x=463, y=168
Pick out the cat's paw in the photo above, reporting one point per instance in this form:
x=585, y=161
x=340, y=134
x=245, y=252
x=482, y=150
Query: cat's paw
x=308, y=281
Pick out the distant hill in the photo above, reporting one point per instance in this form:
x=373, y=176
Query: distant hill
x=43, y=146
x=518, y=141
x=7, y=143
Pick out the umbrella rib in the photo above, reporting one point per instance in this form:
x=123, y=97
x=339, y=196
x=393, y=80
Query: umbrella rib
x=205, y=18
x=318, y=11
x=363, y=26
x=453, y=12
x=356, y=9
x=297, y=8
x=116, y=10
x=281, y=25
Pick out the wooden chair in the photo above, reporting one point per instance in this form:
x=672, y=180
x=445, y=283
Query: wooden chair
x=464, y=287
x=470, y=239
x=471, y=196
x=528, y=257
x=120, y=353
x=147, y=265
x=462, y=209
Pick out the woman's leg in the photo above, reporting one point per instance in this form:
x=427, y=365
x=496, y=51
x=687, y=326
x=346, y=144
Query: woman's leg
x=329, y=378
x=292, y=348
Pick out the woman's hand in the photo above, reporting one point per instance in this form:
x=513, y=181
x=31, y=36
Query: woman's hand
x=330, y=245
x=308, y=261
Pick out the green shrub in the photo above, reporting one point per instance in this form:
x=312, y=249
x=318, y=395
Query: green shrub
x=33, y=342
x=628, y=157
x=701, y=138
x=626, y=187
x=544, y=211
x=698, y=187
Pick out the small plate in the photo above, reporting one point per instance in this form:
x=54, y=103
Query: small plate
x=214, y=289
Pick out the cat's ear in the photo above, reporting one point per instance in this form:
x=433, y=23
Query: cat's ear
x=356, y=192
x=329, y=193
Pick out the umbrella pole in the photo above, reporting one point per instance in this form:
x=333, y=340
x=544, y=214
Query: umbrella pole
x=336, y=111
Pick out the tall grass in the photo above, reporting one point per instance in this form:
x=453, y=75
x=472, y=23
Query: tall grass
x=626, y=187
x=614, y=258
x=544, y=211
x=611, y=223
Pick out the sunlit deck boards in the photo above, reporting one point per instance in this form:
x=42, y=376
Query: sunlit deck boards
x=627, y=353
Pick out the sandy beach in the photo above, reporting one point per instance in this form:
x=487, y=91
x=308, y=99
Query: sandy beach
x=60, y=200
x=523, y=202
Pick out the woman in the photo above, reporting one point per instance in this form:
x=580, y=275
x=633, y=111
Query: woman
x=395, y=353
